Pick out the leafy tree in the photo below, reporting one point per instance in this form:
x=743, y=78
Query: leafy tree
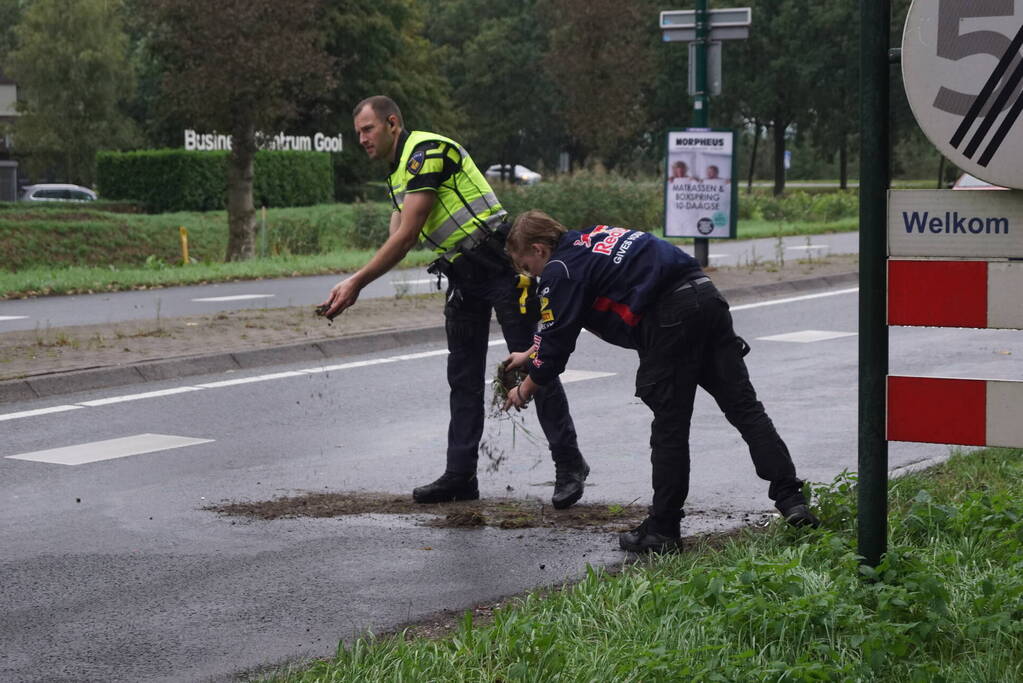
x=240, y=66
x=492, y=54
x=380, y=49
x=601, y=62
x=72, y=74
x=10, y=14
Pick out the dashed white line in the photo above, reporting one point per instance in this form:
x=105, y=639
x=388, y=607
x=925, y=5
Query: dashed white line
x=791, y=299
x=38, y=411
x=236, y=297
x=12, y=317
x=109, y=449
x=137, y=397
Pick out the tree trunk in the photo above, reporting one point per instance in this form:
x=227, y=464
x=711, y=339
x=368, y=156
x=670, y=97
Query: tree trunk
x=843, y=162
x=753, y=155
x=241, y=212
x=779, y=127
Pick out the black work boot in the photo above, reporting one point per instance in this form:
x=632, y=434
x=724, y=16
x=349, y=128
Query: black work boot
x=648, y=538
x=569, y=483
x=796, y=512
x=450, y=486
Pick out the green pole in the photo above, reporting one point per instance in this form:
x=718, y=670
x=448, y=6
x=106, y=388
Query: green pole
x=875, y=23
x=701, y=102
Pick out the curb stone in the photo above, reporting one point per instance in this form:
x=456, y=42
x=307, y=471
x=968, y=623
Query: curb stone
x=88, y=379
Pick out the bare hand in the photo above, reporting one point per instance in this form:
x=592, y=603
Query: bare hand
x=520, y=395
x=517, y=359
x=342, y=296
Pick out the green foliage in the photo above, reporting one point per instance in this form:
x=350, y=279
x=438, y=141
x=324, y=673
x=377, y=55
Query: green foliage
x=180, y=180
x=586, y=198
x=800, y=206
x=945, y=604
x=73, y=235
x=72, y=71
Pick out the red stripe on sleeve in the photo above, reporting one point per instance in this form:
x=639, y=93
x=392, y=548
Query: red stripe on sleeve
x=621, y=310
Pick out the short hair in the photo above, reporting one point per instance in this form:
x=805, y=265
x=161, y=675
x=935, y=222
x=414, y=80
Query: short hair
x=533, y=227
x=382, y=105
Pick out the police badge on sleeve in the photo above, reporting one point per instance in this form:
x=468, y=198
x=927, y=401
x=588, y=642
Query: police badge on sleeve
x=415, y=162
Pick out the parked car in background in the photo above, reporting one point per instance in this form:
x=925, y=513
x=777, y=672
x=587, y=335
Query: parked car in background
x=57, y=192
x=969, y=182
x=521, y=175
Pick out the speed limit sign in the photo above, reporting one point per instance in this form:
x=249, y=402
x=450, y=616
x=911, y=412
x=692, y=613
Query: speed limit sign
x=963, y=71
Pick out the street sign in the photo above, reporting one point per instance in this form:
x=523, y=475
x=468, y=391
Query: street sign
x=713, y=68
x=984, y=224
x=725, y=24
x=963, y=73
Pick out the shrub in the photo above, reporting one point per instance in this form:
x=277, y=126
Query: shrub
x=586, y=198
x=180, y=180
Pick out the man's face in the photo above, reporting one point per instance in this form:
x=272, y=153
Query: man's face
x=376, y=135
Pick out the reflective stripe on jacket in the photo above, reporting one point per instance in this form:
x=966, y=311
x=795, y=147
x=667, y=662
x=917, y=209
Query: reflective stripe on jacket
x=465, y=201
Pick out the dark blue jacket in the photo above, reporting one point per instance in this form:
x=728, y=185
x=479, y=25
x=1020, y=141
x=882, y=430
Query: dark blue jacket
x=604, y=279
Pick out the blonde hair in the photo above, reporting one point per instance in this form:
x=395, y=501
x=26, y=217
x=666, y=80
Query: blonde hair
x=533, y=227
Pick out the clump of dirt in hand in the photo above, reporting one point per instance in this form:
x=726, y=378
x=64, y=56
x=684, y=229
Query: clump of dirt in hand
x=505, y=380
x=503, y=513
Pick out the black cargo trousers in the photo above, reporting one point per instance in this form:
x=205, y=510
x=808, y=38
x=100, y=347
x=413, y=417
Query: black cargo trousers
x=687, y=340
x=483, y=282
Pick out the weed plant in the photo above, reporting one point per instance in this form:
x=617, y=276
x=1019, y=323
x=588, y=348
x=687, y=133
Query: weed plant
x=945, y=604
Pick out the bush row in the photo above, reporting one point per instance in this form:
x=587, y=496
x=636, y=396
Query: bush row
x=587, y=198
x=64, y=235
x=181, y=180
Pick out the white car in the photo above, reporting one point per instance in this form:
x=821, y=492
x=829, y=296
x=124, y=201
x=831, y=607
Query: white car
x=969, y=182
x=57, y=192
x=521, y=176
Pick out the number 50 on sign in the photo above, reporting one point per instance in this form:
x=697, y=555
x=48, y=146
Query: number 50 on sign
x=963, y=71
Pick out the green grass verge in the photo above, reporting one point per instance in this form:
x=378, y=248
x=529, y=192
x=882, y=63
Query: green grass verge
x=946, y=604
x=83, y=279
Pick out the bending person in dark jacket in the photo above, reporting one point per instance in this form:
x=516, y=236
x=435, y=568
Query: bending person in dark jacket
x=640, y=292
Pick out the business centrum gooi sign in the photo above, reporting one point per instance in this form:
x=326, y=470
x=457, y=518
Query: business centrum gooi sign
x=963, y=73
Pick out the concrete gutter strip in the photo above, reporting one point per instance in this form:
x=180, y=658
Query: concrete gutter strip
x=90, y=379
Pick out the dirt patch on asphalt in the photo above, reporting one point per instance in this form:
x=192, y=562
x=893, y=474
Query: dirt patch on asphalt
x=502, y=513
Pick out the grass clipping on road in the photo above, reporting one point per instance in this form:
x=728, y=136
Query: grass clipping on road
x=946, y=603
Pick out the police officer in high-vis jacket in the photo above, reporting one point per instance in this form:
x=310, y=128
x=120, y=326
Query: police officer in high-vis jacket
x=441, y=198
x=640, y=292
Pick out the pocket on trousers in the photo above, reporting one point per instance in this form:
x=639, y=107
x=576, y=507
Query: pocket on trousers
x=677, y=307
x=654, y=385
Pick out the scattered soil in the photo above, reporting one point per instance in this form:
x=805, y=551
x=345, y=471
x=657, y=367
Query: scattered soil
x=502, y=513
x=47, y=350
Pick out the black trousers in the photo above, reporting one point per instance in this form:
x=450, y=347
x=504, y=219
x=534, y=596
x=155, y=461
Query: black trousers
x=471, y=297
x=688, y=341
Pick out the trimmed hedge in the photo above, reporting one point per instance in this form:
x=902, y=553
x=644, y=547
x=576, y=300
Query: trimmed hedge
x=180, y=180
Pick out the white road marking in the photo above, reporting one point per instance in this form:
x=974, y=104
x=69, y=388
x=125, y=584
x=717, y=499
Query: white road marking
x=415, y=282
x=109, y=449
x=808, y=247
x=137, y=397
x=583, y=375
x=791, y=299
x=12, y=317
x=807, y=336
x=355, y=364
x=236, y=297
x=38, y=411
x=249, y=380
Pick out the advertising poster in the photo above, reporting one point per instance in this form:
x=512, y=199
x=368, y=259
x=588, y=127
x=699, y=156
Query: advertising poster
x=699, y=195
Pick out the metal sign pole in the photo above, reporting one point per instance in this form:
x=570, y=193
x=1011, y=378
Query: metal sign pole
x=875, y=20
x=701, y=115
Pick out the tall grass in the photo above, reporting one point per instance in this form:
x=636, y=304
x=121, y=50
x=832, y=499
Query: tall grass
x=946, y=603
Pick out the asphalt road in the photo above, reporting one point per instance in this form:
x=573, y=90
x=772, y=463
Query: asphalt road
x=110, y=570
x=173, y=302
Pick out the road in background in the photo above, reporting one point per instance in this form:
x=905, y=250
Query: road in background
x=112, y=570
